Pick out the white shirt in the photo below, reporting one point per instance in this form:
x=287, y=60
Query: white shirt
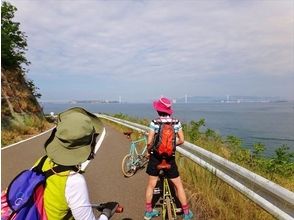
x=77, y=197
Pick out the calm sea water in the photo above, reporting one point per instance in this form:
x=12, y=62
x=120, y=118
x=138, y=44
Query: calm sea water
x=268, y=123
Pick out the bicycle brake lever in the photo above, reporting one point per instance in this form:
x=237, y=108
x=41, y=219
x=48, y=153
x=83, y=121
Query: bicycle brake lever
x=99, y=207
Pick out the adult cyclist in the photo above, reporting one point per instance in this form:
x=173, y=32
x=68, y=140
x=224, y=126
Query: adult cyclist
x=164, y=110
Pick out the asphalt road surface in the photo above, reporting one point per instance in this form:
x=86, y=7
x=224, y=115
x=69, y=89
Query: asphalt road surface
x=103, y=174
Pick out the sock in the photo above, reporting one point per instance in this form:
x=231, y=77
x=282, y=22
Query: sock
x=148, y=207
x=185, y=209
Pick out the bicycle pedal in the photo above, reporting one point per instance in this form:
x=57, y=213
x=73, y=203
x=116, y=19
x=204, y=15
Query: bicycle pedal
x=156, y=191
x=178, y=210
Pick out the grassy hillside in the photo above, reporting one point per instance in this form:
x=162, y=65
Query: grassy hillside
x=21, y=114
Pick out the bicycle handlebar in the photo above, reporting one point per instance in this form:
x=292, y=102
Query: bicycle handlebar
x=129, y=133
x=102, y=206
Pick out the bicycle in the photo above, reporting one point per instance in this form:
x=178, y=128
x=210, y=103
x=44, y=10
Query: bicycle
x=136, y=158
x=168, y=200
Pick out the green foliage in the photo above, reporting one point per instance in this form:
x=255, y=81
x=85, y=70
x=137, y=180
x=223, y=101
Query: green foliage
x=121, y=116
x=13, y=40
x=213, y=136
x=283, y=155
x=34, y=89
x=194, y=129
x=234, y=142
x=282, y=163
x=14, y=45
x=210, y=133
x=259, y=148
x=132, y=119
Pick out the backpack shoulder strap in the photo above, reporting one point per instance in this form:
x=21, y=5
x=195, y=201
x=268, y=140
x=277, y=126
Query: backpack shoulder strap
x=39, y=166
x=59, y=169
x=157, y=121
x=175, y=121
x=50, y=172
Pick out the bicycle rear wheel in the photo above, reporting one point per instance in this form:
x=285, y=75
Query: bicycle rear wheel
x=127, y=166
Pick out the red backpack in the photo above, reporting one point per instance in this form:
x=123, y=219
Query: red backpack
x=165, y=140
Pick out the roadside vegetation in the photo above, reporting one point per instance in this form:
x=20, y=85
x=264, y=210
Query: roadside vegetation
x=278, y=168
x=23, y=128
x=21, y=114
x=210, y=197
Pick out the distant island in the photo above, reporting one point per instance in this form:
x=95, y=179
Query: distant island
x=80, y=101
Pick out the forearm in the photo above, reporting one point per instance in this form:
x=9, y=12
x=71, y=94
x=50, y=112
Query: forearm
x=180, y=137
x=179, y=142
x=150, y=140
x=149, y=146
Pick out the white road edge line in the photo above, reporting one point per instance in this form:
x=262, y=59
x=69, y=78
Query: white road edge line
x=12, y=145
x=98, y=145
x=85, y=164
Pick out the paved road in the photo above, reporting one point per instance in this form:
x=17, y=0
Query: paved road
x=103, y=174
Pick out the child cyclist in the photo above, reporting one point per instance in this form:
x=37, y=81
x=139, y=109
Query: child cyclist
x=164, y=110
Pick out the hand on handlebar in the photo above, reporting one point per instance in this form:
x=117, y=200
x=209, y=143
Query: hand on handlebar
x=147, y=155
x=109, y=209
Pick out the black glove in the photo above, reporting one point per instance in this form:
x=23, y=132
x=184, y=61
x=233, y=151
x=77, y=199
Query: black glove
x=109, y=209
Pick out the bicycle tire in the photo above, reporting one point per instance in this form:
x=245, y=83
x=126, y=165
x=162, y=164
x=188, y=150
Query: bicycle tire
x=126, y=166
x=169, y=209
x=163, y=212
x=144, y=161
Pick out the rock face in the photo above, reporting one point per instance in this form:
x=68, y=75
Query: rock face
x=18, y=104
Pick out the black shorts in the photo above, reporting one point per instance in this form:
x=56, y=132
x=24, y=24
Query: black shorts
x=154, y=161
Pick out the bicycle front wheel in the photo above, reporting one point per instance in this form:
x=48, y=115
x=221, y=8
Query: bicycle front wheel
x=169, y=209
x=127, y=166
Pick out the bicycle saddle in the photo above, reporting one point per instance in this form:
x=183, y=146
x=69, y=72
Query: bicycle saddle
x=163, y=165
x=128, y=134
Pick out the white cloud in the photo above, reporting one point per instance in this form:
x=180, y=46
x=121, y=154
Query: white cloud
x=189, y=44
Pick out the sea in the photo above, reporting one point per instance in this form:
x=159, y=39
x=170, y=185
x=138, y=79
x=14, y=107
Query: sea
x=270, y=123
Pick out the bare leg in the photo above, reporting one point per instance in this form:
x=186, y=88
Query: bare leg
x=180, y=190
x=150, y=187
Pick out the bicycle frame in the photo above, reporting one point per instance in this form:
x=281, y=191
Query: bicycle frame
x=168, y=204
x=136, y=158
x=134, y=151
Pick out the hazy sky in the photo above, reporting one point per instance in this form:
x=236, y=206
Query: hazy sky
x=140, y=50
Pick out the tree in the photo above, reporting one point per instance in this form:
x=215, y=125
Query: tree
x=194, y=133
x=14, y=45
x=13, y=40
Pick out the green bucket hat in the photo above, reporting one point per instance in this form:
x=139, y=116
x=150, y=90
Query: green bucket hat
x=70, y=142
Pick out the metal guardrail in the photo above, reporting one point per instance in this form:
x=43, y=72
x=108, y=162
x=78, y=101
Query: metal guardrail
x=275, y=199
